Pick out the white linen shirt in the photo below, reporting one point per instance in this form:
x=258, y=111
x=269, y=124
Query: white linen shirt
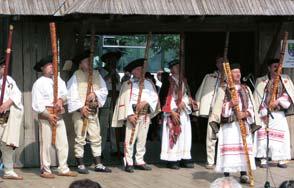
x=74, y=99
x=12, y=92
x=149, y=95
x=42, y=93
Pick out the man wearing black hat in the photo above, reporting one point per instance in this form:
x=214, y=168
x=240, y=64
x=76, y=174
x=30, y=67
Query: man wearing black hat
x=83, y=105
x=137, y=115
x=112, y=80
x=176, y=133
x=279, y=136
x=42, y=103
x=11, y=113
x=230, y=151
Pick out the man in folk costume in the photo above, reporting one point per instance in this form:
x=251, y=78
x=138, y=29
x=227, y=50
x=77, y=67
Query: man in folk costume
x=11, y=115
x=279, y=136
x=136, y=115
x=82, y=106
x=112, y=80
x=42, y=103
x=176, y=133
x=205, y=99
x=231, y=155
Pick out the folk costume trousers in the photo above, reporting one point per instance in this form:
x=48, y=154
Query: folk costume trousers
x=140, y=136
x=45, y=137
x=92, y=134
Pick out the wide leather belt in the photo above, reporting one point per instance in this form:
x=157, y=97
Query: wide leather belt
x=146, y=109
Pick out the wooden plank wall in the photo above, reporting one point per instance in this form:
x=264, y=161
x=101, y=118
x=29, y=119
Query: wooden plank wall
x=31, y=42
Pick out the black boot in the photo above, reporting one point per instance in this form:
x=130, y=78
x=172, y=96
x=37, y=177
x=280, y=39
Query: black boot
x=143, y=167
x=129, y=169
x=186, y=163
x=244, y=178
x=81, y=166
x=173, y=165
x=99, y=167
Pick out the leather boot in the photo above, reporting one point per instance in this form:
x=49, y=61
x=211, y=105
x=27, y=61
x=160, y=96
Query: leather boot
x=99, y=167
x=81, y=166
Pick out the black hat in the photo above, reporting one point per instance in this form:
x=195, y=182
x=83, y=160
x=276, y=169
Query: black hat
x=272, y=61
x=235, y=66
x=136, y=63
x=42, y=62
x=173, y=62
x=78, y=58
x=148, y=75
x=2, y=60
x=107, y=55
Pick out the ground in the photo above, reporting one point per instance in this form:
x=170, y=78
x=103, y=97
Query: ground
x=159, y=177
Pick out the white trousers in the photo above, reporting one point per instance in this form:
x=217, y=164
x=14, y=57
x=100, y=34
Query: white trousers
x=45, y=137
x=210, y=146
x=7, y=158
x=92, y=134
x=140, y=136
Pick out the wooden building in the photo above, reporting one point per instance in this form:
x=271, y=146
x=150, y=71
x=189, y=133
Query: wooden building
x=256, y=27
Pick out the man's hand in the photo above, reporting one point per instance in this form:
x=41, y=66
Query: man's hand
x=52, y=119
x=274, y=105
x=132, y=119
x=5, y=106
x=265, y=119
x=175, y=117
x=242, y=115
x=59, y=105
x=194, y=105
x=85, y=111
x=141, y=105
x=234, y=102
x=181, y=106
x=91, y=96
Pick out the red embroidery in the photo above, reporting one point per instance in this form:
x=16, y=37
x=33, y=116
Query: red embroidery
x=233, y=149
x=273, y=135
x=167, y=106
x=131, y=90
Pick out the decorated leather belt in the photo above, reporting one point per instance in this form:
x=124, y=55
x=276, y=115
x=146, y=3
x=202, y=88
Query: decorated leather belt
x=229, y=119
x=50, y=110
x=146, y=109
x=4, y=117
x=93, y=106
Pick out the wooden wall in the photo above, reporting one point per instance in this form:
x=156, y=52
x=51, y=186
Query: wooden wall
x=31, y=42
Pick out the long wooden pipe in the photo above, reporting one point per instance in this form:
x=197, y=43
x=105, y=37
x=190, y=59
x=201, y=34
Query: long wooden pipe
x=55, y=75
x=234, y=96
x=7, y=62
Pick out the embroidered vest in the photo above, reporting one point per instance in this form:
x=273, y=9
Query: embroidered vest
x=82, y=79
